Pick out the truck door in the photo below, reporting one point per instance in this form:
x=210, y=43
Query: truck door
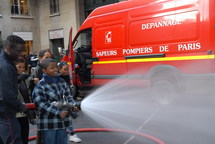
x=109, y=39
x=83, y=55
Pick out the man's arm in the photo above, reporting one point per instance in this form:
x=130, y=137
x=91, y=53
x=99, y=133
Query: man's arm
x=9, y=88
x=68, y=93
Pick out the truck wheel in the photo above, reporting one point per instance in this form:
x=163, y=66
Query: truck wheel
x=164, y=91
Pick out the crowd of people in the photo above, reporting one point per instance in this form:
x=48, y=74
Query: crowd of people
x=38, y=79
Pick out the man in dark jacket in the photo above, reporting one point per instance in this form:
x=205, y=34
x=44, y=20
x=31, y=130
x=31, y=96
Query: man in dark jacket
x=10, y=104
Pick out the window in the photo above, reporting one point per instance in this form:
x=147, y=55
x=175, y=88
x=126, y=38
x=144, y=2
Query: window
x=19, y=7
x=90, y=5
x=84, y=38
x=54, y=6
x=28, y=47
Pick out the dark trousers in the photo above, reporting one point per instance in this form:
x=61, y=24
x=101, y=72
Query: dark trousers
x=24, y=129
x=10, y=131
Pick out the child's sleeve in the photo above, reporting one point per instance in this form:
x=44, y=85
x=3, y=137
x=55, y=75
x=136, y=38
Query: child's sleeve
x=68, y=93
x=39, y=98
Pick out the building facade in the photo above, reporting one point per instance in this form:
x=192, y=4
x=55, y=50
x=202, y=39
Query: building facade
x=45, y=23
x=20, y=17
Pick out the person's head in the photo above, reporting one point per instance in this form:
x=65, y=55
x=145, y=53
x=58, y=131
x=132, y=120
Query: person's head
x=63, y=68
x=49, y=67
x=14, y=47
x=20, y=65
x=43, y=54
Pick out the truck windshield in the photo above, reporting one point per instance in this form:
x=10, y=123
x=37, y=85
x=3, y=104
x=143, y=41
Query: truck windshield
x=84, y=38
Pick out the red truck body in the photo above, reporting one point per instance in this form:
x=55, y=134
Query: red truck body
x=144, y=39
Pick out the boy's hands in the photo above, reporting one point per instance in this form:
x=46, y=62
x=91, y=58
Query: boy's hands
x=75, y=109
x=63, y=114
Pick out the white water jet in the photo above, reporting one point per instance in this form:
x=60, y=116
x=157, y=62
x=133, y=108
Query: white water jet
x=187, y=119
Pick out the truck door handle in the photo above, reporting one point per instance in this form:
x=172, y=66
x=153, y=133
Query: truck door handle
x=95, y=59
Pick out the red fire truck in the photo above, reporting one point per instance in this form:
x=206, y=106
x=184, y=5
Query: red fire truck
x=158, y=41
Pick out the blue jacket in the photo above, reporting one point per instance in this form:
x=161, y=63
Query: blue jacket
x=9, y=101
